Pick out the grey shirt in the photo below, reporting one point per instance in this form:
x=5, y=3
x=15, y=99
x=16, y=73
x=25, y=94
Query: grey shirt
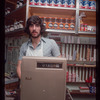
x=50, y=48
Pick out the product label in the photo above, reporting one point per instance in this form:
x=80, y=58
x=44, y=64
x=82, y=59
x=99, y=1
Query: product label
x=43, y=2
x=66, y=26
x=57, y=3
x=50, y=25
x=86, y=4
x=61, y=25
x=55, y=25
x=71, y=3
x=92, y=5
x=36, y=2
x=80, y=3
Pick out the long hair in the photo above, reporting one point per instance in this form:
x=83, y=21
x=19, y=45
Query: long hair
x=35, y=20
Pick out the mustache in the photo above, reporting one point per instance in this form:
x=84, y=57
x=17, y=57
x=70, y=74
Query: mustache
x=34, y=31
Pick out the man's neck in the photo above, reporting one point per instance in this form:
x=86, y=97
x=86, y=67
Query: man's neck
x=35, y=41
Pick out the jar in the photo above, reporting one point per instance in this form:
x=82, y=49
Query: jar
x=21, y=2
x=17, y=6
x=8, y=10
x=15, y=26
x=72, y=24
x=55, y=25
x=61, y=24
x=8, y=28
x=66, y=24
x=50, y=23
x=21, y=24
x=11, y=27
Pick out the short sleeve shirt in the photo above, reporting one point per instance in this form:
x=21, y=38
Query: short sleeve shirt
x=50, y=48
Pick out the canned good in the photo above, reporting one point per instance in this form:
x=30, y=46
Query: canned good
x=92, y=5
x=57, y=3
x=80, y=3
x=91, y=89
x=36, y=2
x=31, y=2
x=17, y=6
x=62, y=3
x=71, y=3
x=86, y=4
x=50, y=3
x=43, y=2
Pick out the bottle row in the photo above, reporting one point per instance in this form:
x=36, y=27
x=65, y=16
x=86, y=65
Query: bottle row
x=59, y=23
x=17, y=25
x=80, y=74
x=79, y=52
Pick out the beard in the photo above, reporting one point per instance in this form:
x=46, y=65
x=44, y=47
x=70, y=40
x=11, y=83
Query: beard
x=34, y=36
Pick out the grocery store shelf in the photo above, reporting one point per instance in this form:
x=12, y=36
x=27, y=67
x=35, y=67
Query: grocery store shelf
x=59, y=31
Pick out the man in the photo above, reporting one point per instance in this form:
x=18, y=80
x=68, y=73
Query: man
x=37, y=45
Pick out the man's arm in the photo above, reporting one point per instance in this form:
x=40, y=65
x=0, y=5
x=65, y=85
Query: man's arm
x=19, y=69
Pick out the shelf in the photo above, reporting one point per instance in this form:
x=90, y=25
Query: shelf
x=88, y=10
x=52, y=7
x=89, y=33
x=78, y=43
x=79, y=83
x=51, y=11
x=12, y=1
x=15, y=10
x=81, y=62
x=15, y=33
x=59, y=31
x=82, y=93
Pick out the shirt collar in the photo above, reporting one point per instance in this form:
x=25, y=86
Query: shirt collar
x=42, y=39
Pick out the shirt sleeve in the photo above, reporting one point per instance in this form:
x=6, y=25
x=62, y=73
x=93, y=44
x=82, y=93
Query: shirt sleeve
x=22, y=52
x=55, y=49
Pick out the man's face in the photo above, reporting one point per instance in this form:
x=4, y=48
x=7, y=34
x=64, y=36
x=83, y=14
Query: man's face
x=35, y=30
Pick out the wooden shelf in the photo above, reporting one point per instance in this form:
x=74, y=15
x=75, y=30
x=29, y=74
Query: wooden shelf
x=51, y=11
x=15, y=33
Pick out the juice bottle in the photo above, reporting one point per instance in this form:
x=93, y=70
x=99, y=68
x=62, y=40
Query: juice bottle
x=50, y=23
x=55, y=24
x=61, y=24
x=66, y=24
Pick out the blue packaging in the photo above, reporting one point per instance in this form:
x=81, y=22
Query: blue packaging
x=43, y=2
x=50, y=2
x=92, y=5
x=86, y=4
x=31, y=2
x=71, y=3
x=57, y=2
x=80, y=3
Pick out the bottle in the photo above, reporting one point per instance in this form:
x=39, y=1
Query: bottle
x=55, y=25
x=50, y=23
x=45, y=22
x=66, y=24
x=61, y=24
x=72, y=23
